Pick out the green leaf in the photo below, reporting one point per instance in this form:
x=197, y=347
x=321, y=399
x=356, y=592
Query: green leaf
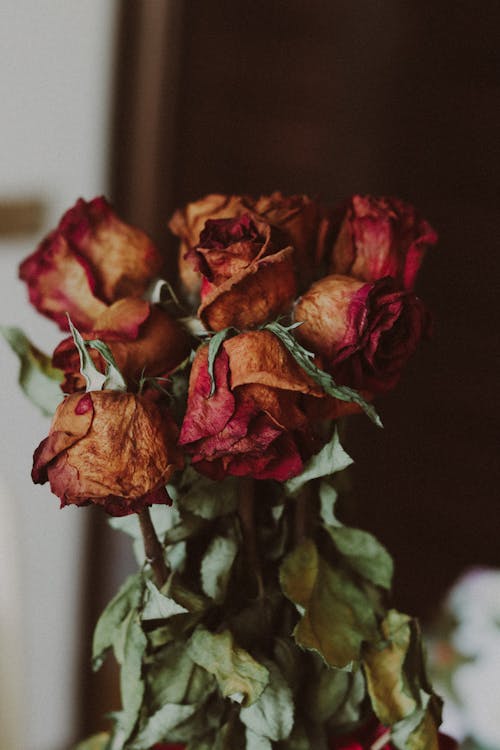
x=173, y=677
x=327, y=693
x=108, y=626
x=256, y=741
x=214, y=345
x=96, y=742
x=235, y=670
x=364, y=553
x=114, y=379
x=37, y=378
x=158, y=606
x=304, y=359
x=338, y=615
x=331, y=459
x=160, y=724
x=131, y=682
x=328, y=496
x=207, y=498
x=216, y=567
x=398, y=686
x=271, y=715
x=164, y=518
x=93, y=378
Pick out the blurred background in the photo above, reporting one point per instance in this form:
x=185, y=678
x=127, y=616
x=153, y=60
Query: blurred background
x=157, y=102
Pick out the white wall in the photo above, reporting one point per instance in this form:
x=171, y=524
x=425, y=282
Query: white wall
x=55, y=80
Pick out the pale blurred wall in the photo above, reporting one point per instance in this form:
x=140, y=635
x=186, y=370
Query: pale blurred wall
x=55, y=84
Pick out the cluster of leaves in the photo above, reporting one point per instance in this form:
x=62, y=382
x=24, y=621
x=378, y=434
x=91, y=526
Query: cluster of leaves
x=214, y=660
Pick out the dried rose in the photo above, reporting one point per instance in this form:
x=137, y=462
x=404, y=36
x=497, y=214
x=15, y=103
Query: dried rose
x=364, y=332
x=187, y=224
x=297, y=217
x=144, y=341
x=109, y=448
x=88, y=262
x=248, y=273
x=254, y=425
x=381, y=237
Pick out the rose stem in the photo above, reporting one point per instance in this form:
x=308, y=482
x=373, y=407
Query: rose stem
x=153, y=548
x=247, y=515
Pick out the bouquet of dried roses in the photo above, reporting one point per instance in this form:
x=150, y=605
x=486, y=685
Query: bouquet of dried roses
x=257, y=619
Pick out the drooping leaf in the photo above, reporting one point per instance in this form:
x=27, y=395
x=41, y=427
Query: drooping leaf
x=107, y=629
x=397, y=684
x=207, y=498
x=158, y=606
x=364, y=553
x=96, y=742
x=131, y=681
x=160, y=724
x=331, y=459
x=216, y=567
x=272, y=713
x=164, y=518
x=94, y=379
x=173, y=677
x=338, y=616
x=328, y=496
x=37, y=378
x=305, y=360
x=214, y=345
x=236, y=671
x=326, y=693
x=114, y=379
x=256, y=741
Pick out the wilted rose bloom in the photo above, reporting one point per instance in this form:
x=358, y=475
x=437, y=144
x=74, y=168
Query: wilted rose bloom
x=381, y=237
x=364, y=332
x=254, y=425
x=88, y=262
x=144, y=341
x=297, y=217
x=187, y=224
x=248, y=274
x=109, y=448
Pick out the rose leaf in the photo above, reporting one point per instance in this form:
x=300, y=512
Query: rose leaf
x=94, y=379
x=96, y=742
x=158, y=606
x=155, y=728
x=304, y=359
x=206, y=498
x=364, y=553
x=114, y=379
x=331, y=459
x=338, y=616
x=216, y=567
x=214, y=345
x=272, y=714
x=37, y=378
x=256, y=741
x=236, y=670
x=398, y=687
x=107, y=629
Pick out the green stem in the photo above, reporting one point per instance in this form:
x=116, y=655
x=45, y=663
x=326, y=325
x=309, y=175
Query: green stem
x=153, y=548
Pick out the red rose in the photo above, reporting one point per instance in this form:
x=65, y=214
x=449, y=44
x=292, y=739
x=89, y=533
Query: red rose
x=255, y=424
x=109, y=448
x=365, y=738
x=249, y=277
x=364, y=332
x=91, y=260
x=144, y=341
x=381, y=237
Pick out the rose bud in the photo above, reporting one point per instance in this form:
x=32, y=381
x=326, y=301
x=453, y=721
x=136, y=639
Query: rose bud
x=188, y=223
x=381, y=237
x=144, y=341
x=88, y=262
x=248, y=274
x=109, y=448
x=363, y=332
x=253, y=424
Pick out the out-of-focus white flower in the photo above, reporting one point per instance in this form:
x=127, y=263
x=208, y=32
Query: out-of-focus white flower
x=477, y=686
x=474, y=601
